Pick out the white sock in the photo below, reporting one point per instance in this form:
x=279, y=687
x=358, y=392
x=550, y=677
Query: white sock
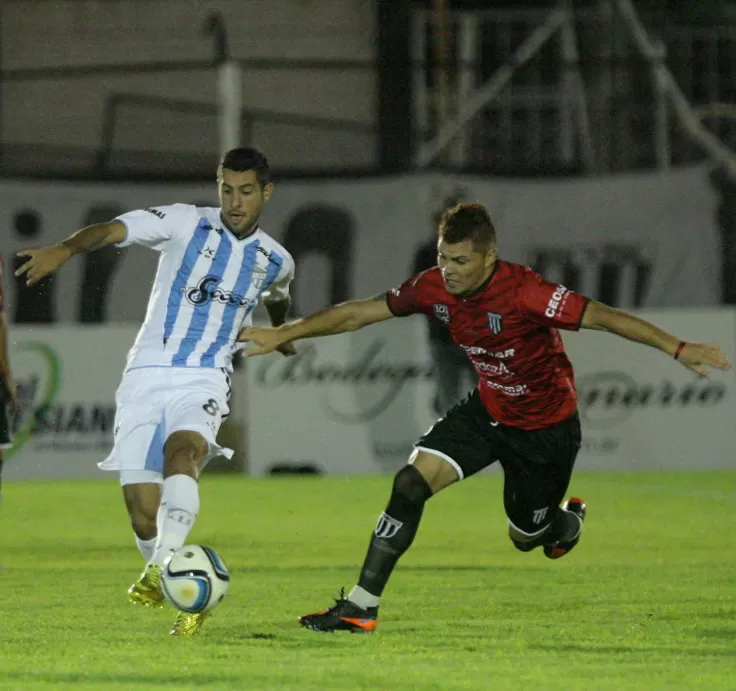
x=146, y=547
x=176, y=515
x=362, y=598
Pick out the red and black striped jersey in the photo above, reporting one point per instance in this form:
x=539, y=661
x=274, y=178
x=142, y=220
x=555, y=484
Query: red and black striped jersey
x=508, y=328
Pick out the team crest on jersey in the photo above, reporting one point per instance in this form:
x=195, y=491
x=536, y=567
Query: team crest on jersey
x=259, y=276
x=495, y=321
x=442, y=312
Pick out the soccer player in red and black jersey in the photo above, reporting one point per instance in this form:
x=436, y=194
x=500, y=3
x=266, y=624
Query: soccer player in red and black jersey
x=7, y=388
x=523, y=413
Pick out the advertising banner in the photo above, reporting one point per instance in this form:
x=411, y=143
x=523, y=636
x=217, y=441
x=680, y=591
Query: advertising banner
x=356, y=402
x=66, y=379
x=641, y=410
x=643, y=240
x=348, y=404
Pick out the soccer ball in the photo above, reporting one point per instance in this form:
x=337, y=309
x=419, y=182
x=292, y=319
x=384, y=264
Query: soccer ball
x=195, y=579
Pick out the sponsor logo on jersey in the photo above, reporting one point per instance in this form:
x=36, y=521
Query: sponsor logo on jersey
x=495, y=322
x=497, y=368
x=156, y=212
x=442, y=312
x=207, y=290
x=499, y=355
x=556, y=302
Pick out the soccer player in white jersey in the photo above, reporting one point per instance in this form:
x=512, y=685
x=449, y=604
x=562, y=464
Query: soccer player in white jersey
x=215, y=264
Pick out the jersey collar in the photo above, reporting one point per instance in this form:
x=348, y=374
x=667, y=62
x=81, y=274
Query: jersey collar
x=482, y=287
x=247, y=238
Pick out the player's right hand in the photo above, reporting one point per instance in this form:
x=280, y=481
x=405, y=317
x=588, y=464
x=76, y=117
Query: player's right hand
x=42, y=262
x=266, y=338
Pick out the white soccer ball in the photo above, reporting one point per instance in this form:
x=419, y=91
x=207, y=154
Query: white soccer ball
x=195, y=579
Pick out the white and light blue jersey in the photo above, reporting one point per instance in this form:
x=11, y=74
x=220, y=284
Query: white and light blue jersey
x=207, y=285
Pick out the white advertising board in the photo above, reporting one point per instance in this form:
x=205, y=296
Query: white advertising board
x=66, y=379
x=641, y=410
x=644, y=240
x=355, y=403
x=350, y=404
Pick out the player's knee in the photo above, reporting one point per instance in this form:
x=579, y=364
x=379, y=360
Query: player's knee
x=186, y=442
x=411, y=487
x=183, y=451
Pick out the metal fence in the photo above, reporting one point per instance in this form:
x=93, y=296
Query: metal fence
x=528, y=127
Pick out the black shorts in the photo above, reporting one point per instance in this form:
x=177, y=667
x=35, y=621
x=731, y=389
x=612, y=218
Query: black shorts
x=537, y=464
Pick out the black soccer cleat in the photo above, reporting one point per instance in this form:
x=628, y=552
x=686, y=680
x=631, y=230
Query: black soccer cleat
x=561, y=548
x=344, y=615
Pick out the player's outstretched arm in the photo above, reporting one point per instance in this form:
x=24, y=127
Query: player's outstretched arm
x=694, y=356
x=46, y=260
x=347, y=316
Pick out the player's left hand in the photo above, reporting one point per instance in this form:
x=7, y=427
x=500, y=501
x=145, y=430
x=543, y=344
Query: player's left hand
x=287, y=349
x=696, y=356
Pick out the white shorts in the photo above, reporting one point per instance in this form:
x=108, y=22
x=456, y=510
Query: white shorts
x=153, y=403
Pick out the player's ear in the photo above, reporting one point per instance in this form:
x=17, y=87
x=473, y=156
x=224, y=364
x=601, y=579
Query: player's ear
x=267, y=191
x=491, y=256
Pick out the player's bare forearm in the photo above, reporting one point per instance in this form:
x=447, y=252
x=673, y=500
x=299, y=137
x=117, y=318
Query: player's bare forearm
x=601, y=317
x=277, y=310
x=694, y=356
x=95, y=237
x=347, y=316
x=44, y=261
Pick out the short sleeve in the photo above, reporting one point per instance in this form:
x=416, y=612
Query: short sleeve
x=279, y=289
x=155, y=226
x=406, y=298
x=551, y=304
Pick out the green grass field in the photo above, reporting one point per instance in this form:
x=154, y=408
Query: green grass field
x=646, y=601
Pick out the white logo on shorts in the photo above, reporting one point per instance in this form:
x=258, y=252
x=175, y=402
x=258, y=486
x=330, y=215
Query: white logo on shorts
x=387, y=527
x=539, y=515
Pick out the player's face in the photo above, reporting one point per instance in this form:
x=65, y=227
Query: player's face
x=464, y=267
x=242, y=199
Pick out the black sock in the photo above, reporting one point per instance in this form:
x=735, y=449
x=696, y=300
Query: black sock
x=395, y=529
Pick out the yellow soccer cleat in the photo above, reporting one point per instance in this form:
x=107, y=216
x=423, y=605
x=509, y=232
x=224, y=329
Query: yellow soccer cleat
x=147, y=591
x=187, y=624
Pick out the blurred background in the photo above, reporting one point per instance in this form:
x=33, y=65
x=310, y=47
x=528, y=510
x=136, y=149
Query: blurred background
x=599, y=134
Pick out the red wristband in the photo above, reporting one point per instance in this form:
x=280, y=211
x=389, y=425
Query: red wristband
x=679, y=349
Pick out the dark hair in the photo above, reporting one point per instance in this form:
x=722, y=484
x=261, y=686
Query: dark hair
x=243, y=159
x=467, y=222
